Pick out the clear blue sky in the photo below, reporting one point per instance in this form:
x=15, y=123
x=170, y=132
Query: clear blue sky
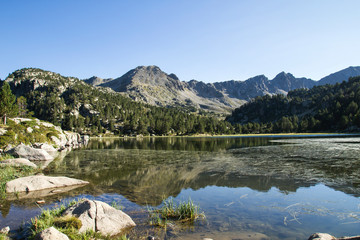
x=207, y=40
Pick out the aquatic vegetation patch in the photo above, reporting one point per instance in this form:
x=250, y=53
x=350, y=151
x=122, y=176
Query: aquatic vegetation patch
x=182, y=211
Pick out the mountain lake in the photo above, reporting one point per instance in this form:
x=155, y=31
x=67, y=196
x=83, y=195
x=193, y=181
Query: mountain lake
x=269, y=187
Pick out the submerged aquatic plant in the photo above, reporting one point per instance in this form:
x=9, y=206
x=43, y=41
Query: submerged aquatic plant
x=117, y=205
x=183, y=211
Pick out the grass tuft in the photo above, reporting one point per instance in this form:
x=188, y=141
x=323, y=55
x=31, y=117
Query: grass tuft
x=183, y=211
x=4, y=237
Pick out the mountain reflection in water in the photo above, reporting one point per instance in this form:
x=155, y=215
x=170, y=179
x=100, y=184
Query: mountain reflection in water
x=146, y=171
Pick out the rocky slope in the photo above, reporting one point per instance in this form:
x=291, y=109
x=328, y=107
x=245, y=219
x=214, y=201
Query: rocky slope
x=340, y=76
x=151, y=85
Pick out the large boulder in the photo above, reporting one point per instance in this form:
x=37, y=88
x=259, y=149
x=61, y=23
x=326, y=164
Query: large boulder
x=100, y=217
x=18, y=162
x=51, y=233
x=38, y=182
x=24, y=151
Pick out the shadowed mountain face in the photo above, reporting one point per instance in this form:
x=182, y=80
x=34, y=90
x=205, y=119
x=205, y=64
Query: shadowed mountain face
x=151, y=85
x=340, y=76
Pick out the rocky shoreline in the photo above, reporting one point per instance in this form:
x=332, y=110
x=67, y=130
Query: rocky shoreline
x=36, y=186
x=63, y=140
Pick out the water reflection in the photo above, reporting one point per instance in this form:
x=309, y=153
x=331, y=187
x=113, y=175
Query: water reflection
x=211, y=144
x=147, y=171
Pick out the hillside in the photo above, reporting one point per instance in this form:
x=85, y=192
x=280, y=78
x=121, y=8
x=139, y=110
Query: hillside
x=322, y=108
x=80, y=107
x=149, y=84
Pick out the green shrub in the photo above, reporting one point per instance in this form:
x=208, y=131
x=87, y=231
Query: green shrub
x=31, y=124
x=7, y=138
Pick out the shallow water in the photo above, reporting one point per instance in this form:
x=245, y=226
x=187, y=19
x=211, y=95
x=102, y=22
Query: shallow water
x=248, y=188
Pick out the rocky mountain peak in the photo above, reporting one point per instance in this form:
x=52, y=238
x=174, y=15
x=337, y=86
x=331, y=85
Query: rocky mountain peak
x=283, y=76
x=149, y=70
x=284, y=82
x=260, y=79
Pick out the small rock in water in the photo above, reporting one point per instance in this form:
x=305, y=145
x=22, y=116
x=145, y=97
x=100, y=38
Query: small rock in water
x=321, y=236
x=40, y=202
x=5, y=230
x=34, y=183
x=151, y=238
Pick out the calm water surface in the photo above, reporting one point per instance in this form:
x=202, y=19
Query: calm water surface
x=248, y=188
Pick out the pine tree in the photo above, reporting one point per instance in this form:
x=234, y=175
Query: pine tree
x=8, y=108
x=22, y=105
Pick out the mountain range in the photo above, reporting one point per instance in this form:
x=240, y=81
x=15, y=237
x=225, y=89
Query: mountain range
x=149, y=84
x=106, y=107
